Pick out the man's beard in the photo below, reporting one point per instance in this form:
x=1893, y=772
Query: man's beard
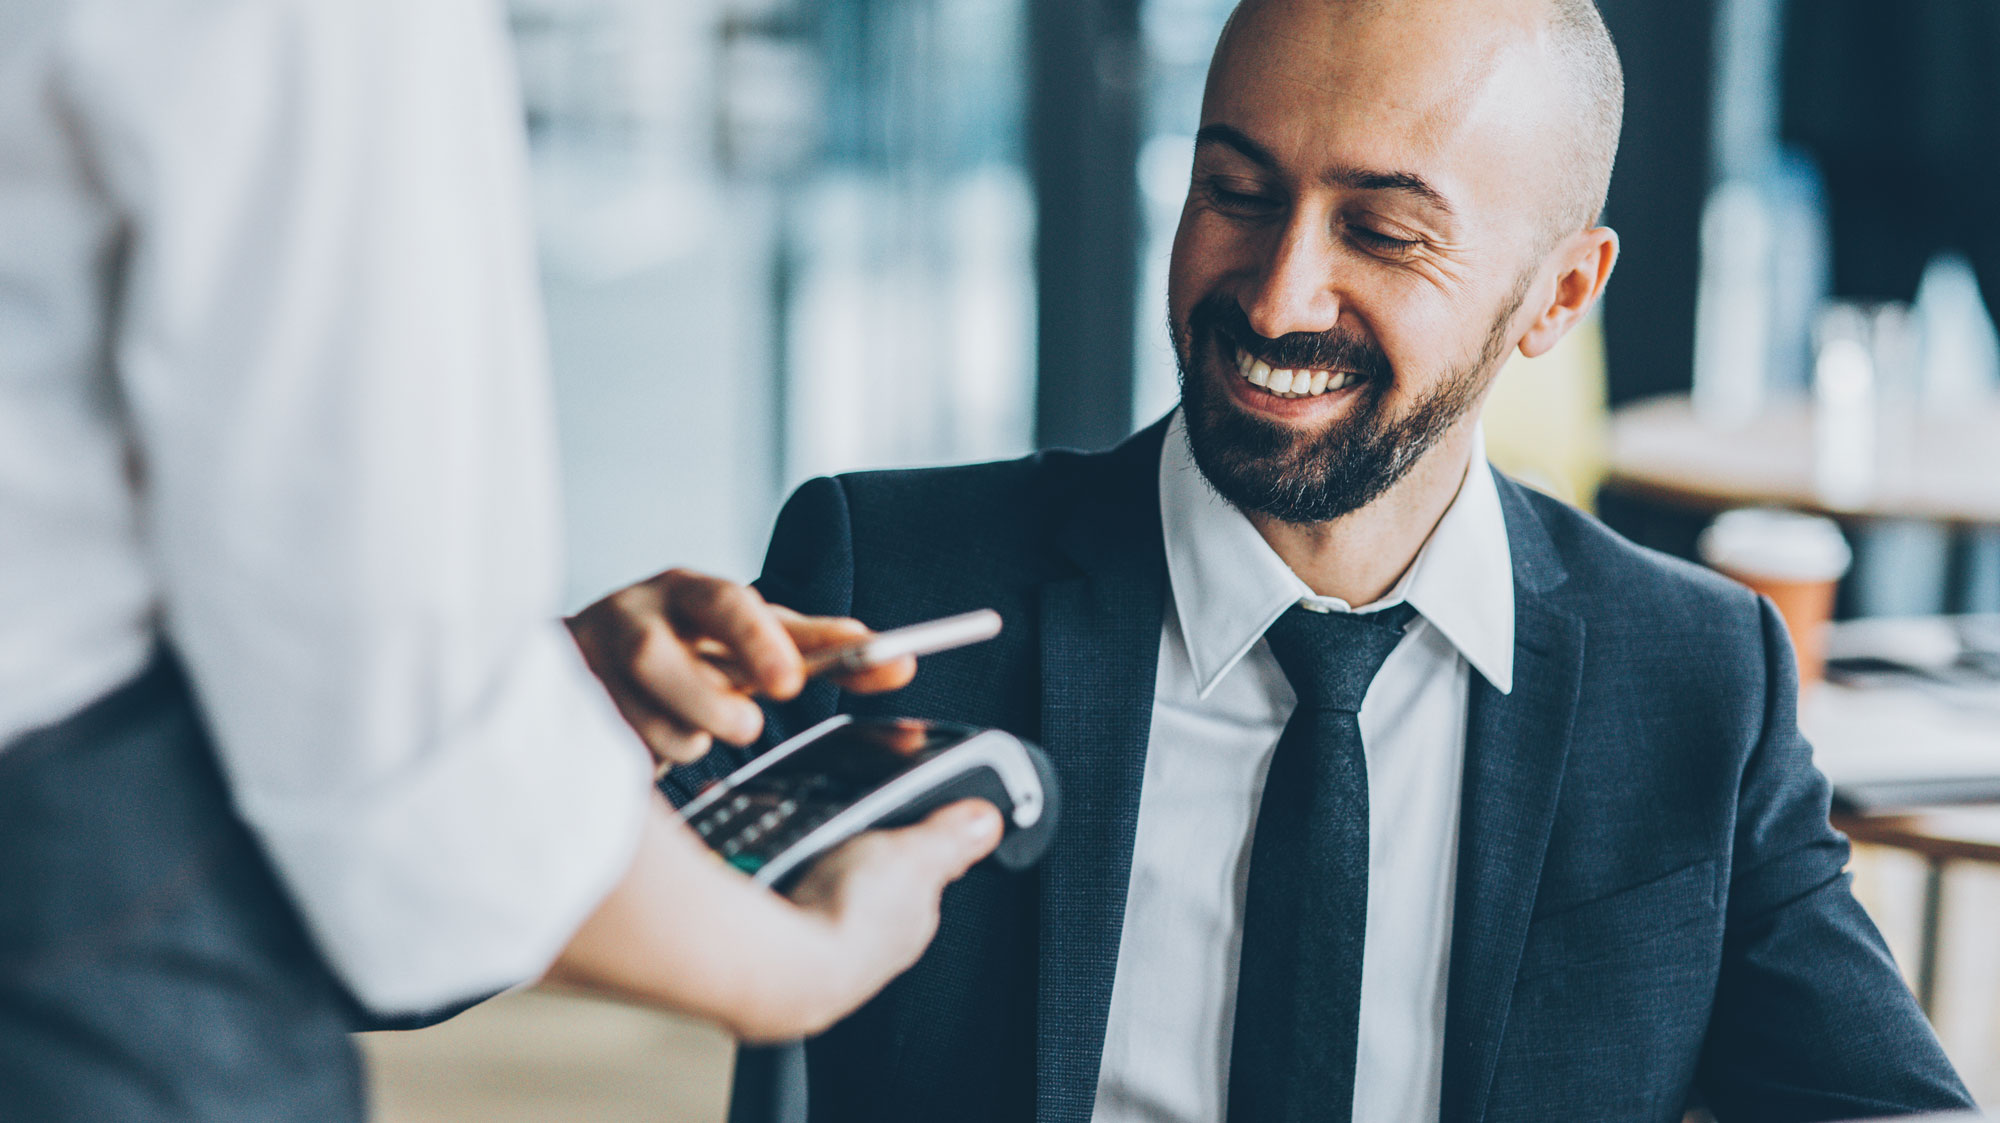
x=1262, y=467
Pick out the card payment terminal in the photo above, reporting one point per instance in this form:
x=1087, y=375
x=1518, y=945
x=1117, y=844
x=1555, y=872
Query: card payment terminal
x=846, y=775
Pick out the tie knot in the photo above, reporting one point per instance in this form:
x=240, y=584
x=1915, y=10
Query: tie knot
x=1331, y=657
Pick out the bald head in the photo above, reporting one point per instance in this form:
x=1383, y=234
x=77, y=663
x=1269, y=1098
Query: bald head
x=1589, y=67
x=1561, y=45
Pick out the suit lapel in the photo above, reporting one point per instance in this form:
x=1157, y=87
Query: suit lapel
x=1100, y=637
x=1516, y=746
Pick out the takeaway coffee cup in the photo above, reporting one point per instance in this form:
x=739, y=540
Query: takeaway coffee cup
x=1796, y=560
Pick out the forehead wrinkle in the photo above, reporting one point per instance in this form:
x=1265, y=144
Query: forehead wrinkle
x=1339, y=60
x=1363, y=99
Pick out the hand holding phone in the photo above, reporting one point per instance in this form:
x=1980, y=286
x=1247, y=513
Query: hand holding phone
x=927, y=638
x=685, y=656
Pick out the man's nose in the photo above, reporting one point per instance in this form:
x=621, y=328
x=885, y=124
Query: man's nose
x=1295, y=291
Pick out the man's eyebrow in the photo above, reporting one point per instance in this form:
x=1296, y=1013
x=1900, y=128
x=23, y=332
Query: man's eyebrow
x=1234, y=137
x=1405, y=183
x=1358, y=179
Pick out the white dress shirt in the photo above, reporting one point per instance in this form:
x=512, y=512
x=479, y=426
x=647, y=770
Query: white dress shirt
x=272, y=385
x=1220, y=703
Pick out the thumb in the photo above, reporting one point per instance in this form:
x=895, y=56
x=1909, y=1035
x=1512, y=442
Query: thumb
x=951, y=839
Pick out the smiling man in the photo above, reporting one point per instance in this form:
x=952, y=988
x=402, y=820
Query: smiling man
x=1393, y=790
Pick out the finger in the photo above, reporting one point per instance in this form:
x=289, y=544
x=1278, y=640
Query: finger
x=687, y=689
x=950, y=840
x=814, y=634
x=668, y=740
x=899, y=873
x=613, y=633
x=673, y=744
x=879, y=679
x=608, y=629
x=686, y=749
x=737, y=617
x=669, y=696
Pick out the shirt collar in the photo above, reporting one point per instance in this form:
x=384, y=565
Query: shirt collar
x=1229, y=585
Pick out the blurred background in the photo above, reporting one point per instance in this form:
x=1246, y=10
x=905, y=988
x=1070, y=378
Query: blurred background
x=782, y=239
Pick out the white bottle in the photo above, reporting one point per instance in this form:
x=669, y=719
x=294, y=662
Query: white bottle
x=1732, y=328
x=1961, y=353
x=1844, y=411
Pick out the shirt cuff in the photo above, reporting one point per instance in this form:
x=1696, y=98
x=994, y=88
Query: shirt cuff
x=470, y=871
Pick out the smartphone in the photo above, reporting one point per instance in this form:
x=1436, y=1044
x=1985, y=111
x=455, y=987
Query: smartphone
x=927, y=638
x=775, y=815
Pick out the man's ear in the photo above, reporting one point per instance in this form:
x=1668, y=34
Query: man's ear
x=1584, y=260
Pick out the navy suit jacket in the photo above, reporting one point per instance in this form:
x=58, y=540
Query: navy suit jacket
x=1650, y=910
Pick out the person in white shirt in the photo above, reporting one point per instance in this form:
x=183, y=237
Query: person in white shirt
x=278, y=548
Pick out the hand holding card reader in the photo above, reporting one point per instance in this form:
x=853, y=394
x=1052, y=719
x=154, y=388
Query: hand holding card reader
x=775, y=815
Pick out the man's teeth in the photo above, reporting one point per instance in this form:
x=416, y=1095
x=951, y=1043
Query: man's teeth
x=1290, y=383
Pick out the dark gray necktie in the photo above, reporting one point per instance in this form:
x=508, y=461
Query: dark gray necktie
x=1298, y=995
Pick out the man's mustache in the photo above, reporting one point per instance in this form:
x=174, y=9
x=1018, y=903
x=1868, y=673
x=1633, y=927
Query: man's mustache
x=1334, y=349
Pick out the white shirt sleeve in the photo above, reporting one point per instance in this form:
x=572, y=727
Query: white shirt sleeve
x=329, y=341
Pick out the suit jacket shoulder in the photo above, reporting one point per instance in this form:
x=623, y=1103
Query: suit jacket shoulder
x=1608, y=575
x=1688, y=640
x=985, y=521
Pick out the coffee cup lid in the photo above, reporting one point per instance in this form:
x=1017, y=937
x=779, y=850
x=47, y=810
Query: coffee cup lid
x=1777, y=545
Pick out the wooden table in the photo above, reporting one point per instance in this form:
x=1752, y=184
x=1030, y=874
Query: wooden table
x=1941, y=469
x=1912, y=729
x=1942, y=836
